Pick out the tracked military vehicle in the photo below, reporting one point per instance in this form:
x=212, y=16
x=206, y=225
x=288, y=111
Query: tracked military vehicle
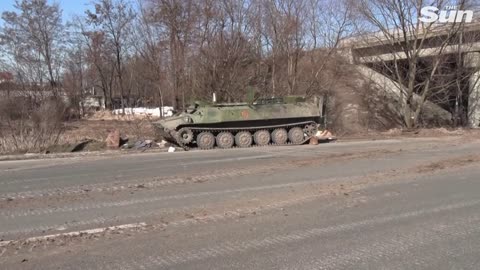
x=277, y=121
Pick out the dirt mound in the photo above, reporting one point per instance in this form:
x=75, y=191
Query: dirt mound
x=424, y=132
x=441, y=131
x=470, y=134
x=98, y=130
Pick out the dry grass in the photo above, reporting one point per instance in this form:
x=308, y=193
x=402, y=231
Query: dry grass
x=98, y=130
x=27, y=127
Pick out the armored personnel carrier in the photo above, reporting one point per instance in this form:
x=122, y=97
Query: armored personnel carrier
x=277, y=121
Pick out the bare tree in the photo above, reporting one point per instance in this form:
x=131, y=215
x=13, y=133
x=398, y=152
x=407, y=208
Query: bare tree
x=114, y=19
x=178, y=17
x=225, y=61
x=411, y=61
x=148, y=46
x=99, y=57
x=329, y=22
x=32, y=39
x=74, y=82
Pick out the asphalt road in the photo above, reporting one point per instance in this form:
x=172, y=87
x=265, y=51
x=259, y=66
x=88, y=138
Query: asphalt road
x=390, y=204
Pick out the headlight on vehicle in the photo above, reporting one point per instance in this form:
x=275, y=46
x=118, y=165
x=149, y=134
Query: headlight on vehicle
x=187, y=119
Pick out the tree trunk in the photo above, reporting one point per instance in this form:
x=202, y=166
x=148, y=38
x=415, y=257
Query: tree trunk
x=160, y=94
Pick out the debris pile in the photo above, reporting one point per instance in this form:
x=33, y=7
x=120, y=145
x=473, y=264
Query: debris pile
x=113, y=139
x=324, y=136
x=139, y=145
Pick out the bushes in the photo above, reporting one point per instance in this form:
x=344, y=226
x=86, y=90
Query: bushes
x=27, y=126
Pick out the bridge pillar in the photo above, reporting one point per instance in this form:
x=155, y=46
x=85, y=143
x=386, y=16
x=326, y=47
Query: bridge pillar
x=472, y=60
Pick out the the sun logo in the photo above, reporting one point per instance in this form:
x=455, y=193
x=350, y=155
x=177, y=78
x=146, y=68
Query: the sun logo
x=450, y=14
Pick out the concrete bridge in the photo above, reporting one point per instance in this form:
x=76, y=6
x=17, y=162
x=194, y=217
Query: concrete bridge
x=371, y=51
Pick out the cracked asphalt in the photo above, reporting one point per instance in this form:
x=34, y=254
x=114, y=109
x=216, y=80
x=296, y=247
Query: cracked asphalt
x=405, y=203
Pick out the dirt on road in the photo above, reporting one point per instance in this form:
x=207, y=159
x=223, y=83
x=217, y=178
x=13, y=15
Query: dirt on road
x=63, y=208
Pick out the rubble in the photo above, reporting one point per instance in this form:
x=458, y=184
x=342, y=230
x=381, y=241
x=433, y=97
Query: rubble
x=113, y=139
x=313, y=141
x=143, y=145
x=324, y=136
x=162, y=144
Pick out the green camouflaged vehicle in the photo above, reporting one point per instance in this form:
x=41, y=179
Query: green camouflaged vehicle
x=278, y=121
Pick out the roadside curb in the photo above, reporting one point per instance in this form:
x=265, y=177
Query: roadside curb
x=109, y=153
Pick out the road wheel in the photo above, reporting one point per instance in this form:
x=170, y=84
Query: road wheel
x=205, y=140
x=310, y=130
x=280, y=136
x=262, y=137
x=296, y=135
x=184, y=136
x=243, y=139
x=225, y=140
